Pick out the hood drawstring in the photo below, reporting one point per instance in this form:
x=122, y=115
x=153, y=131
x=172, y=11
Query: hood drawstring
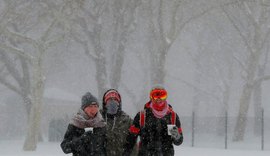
x=114, y=119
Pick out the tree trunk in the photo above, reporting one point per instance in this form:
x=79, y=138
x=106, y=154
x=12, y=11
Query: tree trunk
x=28, y=104
x=100, y=61
x=33, y=129
x=253, y=63
x=158, y=72
x=240, y=127
x=101, y=76
x=245, y=98
x=118, y=60
x=257, y=101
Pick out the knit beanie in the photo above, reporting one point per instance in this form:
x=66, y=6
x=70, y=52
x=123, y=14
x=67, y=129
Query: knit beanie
x=112, y=94
x=88, y=99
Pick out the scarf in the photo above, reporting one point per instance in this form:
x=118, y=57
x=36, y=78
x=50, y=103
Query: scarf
x=82, y=120
x=162, y=113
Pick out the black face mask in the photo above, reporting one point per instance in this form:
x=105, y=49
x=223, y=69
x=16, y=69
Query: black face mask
x=112, y=107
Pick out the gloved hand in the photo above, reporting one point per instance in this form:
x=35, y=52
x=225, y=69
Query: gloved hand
x=78, y=144
x=174, y=133
x=83, y=139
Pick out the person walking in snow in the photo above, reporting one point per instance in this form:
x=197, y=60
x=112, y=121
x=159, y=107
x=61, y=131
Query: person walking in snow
x=157, y=125
x=117, y=122
x=86, y=134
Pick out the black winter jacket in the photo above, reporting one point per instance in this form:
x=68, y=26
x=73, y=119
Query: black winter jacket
x=82, y=143
x=154, y=138
x=117, y=131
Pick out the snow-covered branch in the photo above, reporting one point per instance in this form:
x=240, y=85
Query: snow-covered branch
x=245, y=40
x=84, y=44
x=16, y=51
x=55, y=41
x=240, y=63
x=191, y=85
x=9, y=85
x=20, y=37
x=263, y=78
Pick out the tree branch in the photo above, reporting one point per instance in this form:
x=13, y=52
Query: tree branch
x=85, y=46
x=55, y=41
x=196, y=88
x=16, y=51
x=240, y=63
x=10, y=86
x=263, y=78
x=249, y=14
x=11, y=68
x=58, y=17
x=265, y=39
x=172, y=31
x=20, y=37
x=160, y=20
x=238, y=30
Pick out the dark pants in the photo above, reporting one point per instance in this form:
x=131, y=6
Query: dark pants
x=156, y=150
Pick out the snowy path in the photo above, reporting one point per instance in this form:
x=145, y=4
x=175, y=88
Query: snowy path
x=14, y=148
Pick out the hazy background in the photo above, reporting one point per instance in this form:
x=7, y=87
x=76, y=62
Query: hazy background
x=211, y=56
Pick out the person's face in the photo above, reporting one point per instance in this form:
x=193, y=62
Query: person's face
x=91, y=110
x=112, y=106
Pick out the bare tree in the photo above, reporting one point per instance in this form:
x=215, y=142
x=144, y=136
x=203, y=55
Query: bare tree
x=160, y=39
x=212, y=66
x=23, y=80
x=16, y=26
x=90, y=20
x=165, y=25
x=124, y=14
x=250, y=20
x=224, y=61
x=257, y=93
x=87, y=31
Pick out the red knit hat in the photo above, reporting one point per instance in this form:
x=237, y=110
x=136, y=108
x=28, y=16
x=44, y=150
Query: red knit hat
x=112, y=94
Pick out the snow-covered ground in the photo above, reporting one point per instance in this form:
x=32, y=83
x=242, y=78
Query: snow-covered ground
x=14, y=148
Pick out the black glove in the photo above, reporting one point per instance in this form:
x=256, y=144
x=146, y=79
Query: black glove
x=77, y=144
x=86, y=136
x=174, y=133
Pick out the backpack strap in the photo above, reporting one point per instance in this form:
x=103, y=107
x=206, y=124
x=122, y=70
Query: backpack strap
x=142, y=118
x=142, y=123
x=173, y=117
